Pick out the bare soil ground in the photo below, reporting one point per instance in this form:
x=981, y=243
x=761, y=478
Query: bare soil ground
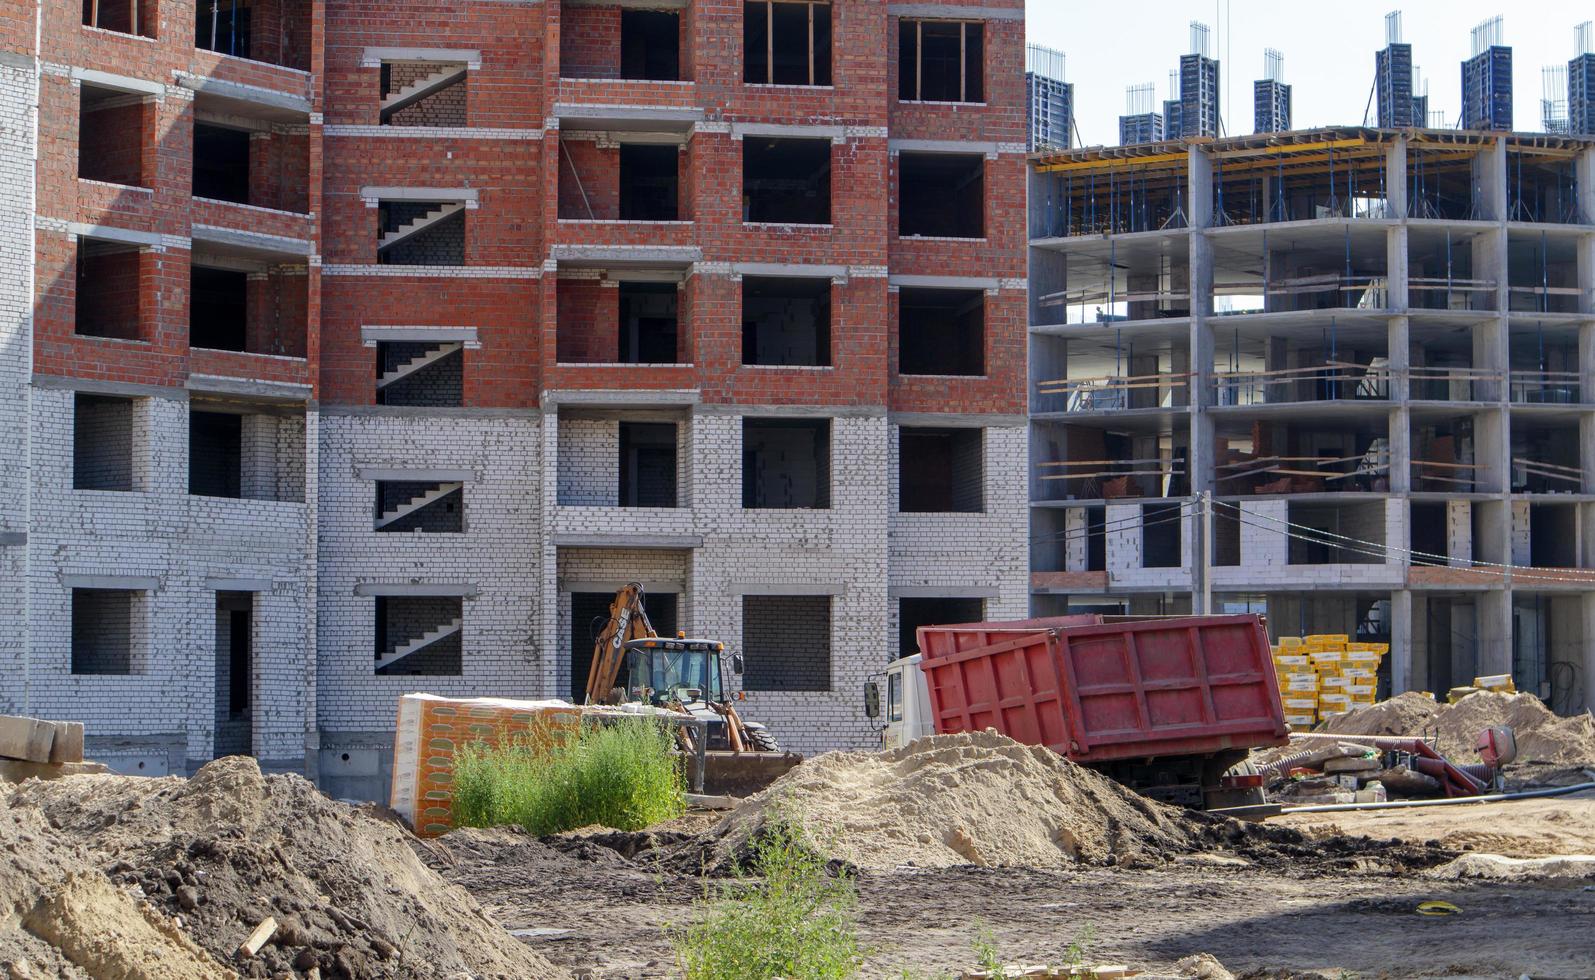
x=1519, y=828
x=608, y=915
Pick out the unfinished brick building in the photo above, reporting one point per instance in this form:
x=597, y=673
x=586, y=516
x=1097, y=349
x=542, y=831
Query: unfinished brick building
x=353, y=349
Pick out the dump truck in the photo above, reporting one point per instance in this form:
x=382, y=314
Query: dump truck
x=1169, y=706
x=632, y=664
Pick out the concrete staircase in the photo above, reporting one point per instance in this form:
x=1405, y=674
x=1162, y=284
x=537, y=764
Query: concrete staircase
x=414, y=364
x=419, y=643
x=416, y=503
x=421, y=88
x=417, y=225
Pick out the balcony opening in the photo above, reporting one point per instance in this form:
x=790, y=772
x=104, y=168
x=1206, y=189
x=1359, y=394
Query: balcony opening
x=421, y=374
x=786, y=463
x=424, y=93
x=941, y=195
x=1552, y=536
x=109, y=300
x=1544, y=364
x=1226, y=536
x=1259, y=366
x=649, y=322
x=221, y=163
x=138, y=17
x=1447, y=182
x=647, y=464
x=650, y=45
x=940, y=471
x=589, y=611
x=263, y=313
x=1267, y=457
x=1161, y=535
x=1542, y=273
x=1443, y=454
x=786, y=181
x=786, y=322
x=916, y=612
x=1541, y=188
x=1440, y=359
x=102, y=443
x=245, y=452
x=1107, y=460
x=940, y=61
x=786, y=642
x=1545, y=455
x=786, y=43
x=427, y=506
x=421, y=233
x=1337, y=533
x=1440, y=265
x=111, y=136
x=419, y=635
x=649, y=182
x=941, y=331
x=273, y=31
x=108, y=629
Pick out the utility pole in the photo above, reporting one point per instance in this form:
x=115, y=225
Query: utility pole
x=1204, y=597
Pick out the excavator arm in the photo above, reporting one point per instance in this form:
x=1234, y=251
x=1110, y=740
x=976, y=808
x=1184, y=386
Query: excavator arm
x=627, y=621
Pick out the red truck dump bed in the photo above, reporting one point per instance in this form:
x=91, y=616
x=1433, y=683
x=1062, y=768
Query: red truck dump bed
x=1101, y=690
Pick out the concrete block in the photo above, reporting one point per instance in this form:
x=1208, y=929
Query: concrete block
x=68, y=744
x=28, y=739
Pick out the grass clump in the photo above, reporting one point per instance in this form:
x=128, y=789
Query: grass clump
x=792, y=919
x=623, y=775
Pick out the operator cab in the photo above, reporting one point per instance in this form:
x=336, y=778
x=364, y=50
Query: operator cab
x=658, y=670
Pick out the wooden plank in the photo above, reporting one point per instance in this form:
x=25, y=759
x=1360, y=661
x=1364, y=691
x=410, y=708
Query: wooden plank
x=257, y=937
x=28, y=739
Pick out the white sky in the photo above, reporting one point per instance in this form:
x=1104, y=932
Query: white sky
x=1328, y=49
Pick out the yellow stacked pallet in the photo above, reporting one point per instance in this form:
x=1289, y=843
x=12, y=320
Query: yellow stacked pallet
x=1325, y=675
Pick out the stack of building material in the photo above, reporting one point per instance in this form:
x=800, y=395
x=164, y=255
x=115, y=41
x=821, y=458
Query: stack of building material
x=1500, y=683
x=1334, y=772
x=1325, y=675
x=46, y=749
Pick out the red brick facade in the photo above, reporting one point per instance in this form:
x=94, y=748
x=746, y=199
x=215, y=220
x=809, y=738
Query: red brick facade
x=527, y=204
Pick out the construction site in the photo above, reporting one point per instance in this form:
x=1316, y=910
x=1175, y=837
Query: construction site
x=734, y=490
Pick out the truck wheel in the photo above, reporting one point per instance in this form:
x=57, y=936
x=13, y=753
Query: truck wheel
x=1248, y=797
x=761, y=739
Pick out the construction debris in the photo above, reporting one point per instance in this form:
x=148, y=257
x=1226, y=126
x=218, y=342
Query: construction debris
x=35, y=740
x=1543, y=738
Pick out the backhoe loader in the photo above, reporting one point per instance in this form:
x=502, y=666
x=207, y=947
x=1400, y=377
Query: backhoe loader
x=634, y=664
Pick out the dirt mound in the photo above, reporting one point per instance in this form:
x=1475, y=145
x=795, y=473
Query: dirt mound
x=160, y=871
x=1542, y=736
x=1495, y=867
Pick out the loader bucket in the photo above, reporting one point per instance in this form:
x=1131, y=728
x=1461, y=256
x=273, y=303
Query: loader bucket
x=744, y=773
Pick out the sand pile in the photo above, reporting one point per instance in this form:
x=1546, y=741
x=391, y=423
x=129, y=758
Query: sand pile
x=1542, y=736
x=978, y=799
x=150, y=879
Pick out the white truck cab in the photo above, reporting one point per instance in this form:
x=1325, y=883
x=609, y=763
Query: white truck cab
x=907, y=708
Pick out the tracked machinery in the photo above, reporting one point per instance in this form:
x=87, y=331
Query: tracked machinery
x=633, y=664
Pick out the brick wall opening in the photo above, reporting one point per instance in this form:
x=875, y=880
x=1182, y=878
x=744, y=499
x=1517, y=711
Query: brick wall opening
x=786, y=642
x=111, y=136
x=237, y=452
x=786, y=181
x=221, y=163
x=421, y=233
x=1553, y=536
x=1427, y=532
x=940, y=61
x=123, y=16
x=649, y=182
x=234, y=673
x=941, y=331
x=786, y=321
x=423, y=93
x=786, y=43
x=650, y=45
x=274, y=31
x=1226, y=536
x=1160, y=535
x=786, y=463
x=420, y=374
x=919, y=611
x=108, y=297
x=941, y=470
x=1545, y=455
x=589, y=612
x=1321, y=538
x=648, y=475
x=649, y=326
x=419, y=635
x=218, y=306
x=941, y=195
x=107, y=631
x=102, y=443
x=429, y=506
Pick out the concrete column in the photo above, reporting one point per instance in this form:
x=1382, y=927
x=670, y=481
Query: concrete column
x=1140, y=365
x=1200, y=457
x=1396, y=177
x=1584, y=699
x=1494, y=630
x=1400, y=437
x=1584, y=177
x=1418, y=631
x=1401, y=647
